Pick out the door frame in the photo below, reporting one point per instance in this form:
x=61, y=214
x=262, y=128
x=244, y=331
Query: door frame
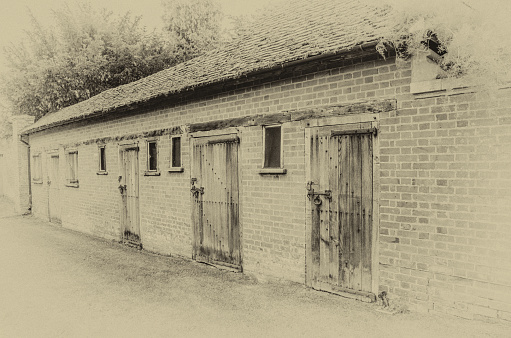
x=218, y=135
x=348, y=122
x=121, y=180
x=49, y=156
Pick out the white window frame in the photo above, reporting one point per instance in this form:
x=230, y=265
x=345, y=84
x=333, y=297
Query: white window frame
x=102, y=171
x=37, y=168
x=273, y=170
x=72, y=170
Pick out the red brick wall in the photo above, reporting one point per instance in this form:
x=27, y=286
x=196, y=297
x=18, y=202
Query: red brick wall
x=445, y=202
x=445, y=189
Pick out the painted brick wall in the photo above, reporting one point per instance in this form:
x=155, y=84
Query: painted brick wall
x=445, y=188
x=7, y=169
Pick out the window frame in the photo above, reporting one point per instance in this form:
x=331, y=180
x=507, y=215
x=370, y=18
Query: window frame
x=37, y=168
x=72, y=175
x=178, y=168
x=149, y=171
x=102, y=171
x=273, y=170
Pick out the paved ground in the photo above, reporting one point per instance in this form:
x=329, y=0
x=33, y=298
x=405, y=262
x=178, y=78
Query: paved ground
x=59, y=283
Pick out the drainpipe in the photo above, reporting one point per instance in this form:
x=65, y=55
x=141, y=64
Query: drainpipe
x=28, y=172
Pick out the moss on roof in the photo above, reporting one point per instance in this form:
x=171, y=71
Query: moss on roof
x=291, y=31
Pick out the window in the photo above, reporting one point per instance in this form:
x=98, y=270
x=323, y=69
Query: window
x=175, y=156
x=152, y=156
x=72, y=168
x=37, y=171
x=272, y=147
x=102, y=160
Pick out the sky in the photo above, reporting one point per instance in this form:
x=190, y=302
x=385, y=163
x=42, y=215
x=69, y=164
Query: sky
x=14, y=15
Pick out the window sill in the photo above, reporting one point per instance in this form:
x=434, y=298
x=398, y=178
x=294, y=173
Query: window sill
x=102, y=173
x=272, y=171
x=72, y=185
x=37, y=181
x=176, y=170
x=152, y=173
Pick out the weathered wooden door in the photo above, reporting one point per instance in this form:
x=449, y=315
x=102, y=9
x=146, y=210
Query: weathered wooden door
x=215, y=201
x=130, y=202
x=54, y=208
x=341, y=204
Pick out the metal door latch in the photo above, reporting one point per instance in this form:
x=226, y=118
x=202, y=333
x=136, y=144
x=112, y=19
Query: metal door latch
x=196, y=191
x=314, y=194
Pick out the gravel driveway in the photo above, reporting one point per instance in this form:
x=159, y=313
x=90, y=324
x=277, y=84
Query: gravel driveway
x=59, y=283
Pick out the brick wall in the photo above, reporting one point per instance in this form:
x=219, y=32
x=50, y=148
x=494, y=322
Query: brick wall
x=446, y=191
x=445, y=188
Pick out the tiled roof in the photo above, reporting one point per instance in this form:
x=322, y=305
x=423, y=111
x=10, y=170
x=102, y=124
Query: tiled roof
x=294, y=30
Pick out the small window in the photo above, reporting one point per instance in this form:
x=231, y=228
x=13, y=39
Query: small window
x=72, y=168
x=37, y=170
x=102, y=159
x=152, y=156
x=176, y=152
x=272, y=147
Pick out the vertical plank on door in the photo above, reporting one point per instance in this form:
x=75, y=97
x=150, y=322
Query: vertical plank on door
x=128, y=180
x=322, y=185
x=333, y=164
x=54, y=190
x=234, y=215
x=136, y=211
x=356, y=179
x=345, y=229
x=367, y=209
x=315, y=210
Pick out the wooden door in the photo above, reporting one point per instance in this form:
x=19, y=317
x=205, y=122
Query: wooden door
x=215, y=201
x=341, y=205
x=54, y=208
x=130, y=201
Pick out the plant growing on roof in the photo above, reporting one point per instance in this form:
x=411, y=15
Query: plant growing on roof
x=472, y=35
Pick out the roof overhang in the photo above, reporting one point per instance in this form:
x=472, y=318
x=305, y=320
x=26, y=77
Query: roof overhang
x=280, y=70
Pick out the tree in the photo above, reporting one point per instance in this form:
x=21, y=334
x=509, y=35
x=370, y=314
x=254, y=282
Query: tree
x=87, y=51
x=474, y=35
x=195, y=25
x=5, y=124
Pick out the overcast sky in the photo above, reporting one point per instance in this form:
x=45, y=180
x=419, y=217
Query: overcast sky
x=14, y=18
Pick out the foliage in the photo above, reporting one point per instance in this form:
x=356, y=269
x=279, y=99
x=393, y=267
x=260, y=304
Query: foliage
x=475, y=34
x=5, y=123
x=88, y=50
x=195, y=25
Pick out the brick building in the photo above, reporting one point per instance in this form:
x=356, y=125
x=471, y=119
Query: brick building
x=298, y=152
